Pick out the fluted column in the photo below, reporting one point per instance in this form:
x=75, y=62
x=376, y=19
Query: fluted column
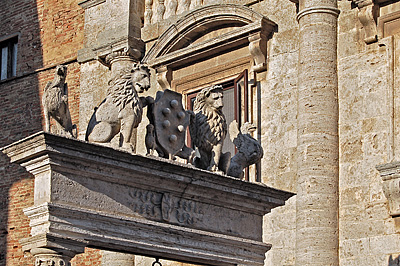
x=318, y=176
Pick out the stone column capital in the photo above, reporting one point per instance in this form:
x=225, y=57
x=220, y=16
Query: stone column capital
x=125, y=54
x=50, y=257
x=318, y=9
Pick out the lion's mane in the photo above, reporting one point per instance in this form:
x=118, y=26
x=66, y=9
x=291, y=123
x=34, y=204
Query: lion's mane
x=210, y=123
x=122, y=92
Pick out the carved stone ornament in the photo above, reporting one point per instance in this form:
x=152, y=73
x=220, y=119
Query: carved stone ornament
x=170, y=122
x=55, y=104
x=49, y=257
x=124, y=54
x=367, y=14
x=208, y=130
x=164, y=77
x=121, y=111
x=390, y=174
x=249, y=150
x=258, y=50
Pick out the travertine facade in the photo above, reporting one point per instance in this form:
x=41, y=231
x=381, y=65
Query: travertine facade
x=322, y=89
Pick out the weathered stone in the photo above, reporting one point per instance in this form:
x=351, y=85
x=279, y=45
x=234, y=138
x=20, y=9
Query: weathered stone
x=208, y=130
x=121, y=111
x=55, y=104
x=249, y=150
x=142, y=205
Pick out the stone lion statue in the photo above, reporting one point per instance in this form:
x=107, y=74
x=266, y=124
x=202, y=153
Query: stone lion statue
x=121, y=111
x=55, y=103
x=208, y=130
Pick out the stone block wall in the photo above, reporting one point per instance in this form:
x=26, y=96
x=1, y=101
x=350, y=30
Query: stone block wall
x=367, y=233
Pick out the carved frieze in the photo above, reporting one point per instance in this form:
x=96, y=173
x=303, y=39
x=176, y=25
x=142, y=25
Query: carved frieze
x=165, y=207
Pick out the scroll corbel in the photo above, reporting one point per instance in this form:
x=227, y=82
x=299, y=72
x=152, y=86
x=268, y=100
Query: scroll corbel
x=258, y=50
x=367, y=14
x=164, y=77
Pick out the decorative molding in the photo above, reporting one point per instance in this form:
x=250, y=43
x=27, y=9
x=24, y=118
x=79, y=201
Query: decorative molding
x=367, y=16
x=208, y=76
x=173, y=49
x=318, y=9
x=388, y=24
x=90, y=3
x=125, y=54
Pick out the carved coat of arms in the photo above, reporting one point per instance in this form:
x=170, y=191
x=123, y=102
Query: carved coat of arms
x=170, y=122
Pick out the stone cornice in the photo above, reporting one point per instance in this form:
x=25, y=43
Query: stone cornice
x=90, y=3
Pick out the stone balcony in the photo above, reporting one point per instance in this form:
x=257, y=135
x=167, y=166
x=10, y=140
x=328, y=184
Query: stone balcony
x=91, y=195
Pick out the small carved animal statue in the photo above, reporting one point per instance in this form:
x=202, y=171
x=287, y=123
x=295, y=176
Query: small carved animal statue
x=121, y=111
x=208, y=130
x=249, y=150
x=55, y=103
x=150, y=140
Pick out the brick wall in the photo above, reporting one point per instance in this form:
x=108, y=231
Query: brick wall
x=50, y=33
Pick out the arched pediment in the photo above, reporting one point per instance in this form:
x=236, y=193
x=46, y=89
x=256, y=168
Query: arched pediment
x=178, y=45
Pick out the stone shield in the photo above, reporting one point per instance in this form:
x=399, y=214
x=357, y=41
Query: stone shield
x=171, y=121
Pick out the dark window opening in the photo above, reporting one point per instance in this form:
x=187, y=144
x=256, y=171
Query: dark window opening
x=8, y=58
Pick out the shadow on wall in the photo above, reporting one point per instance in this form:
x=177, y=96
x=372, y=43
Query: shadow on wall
x=20, y=116
x=16, y=193
x=394, y=261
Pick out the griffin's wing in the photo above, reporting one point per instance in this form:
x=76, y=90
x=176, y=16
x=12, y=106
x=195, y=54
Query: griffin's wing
x=233, y=130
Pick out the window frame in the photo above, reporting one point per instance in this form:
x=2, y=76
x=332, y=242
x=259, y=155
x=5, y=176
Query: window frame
x=10, y=44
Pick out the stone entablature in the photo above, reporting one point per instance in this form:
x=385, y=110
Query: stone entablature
x=90, y=195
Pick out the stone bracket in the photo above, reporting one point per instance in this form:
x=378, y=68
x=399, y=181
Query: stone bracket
x=258, y=50
x=91, y=195
x=164, y=77
x=390, y=174
x=368, y=13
